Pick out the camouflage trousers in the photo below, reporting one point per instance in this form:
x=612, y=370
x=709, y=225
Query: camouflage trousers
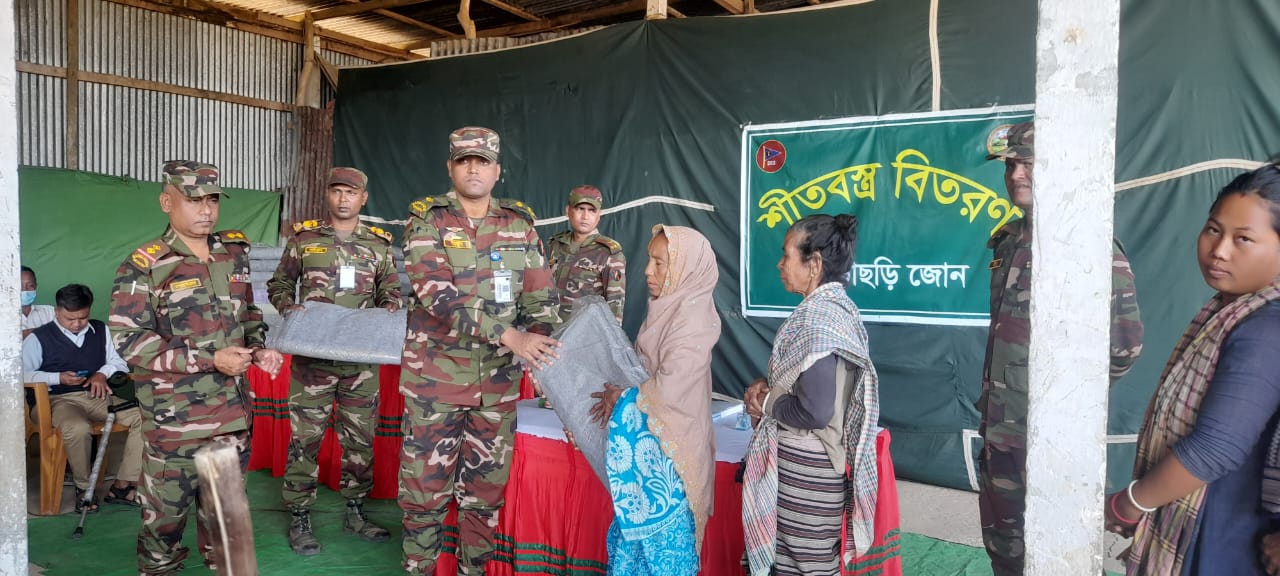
x=1002, y=495
x=314, y=388
x=453, y=453
x=169, y=487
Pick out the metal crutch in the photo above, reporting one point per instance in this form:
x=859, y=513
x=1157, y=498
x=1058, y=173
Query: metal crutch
x=97, y=464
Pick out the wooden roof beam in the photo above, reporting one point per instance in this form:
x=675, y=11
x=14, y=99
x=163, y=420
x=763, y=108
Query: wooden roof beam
x=398, y=17
x=655, y=10
x=358, y=8
x=733, y=6
x=261, y=23
x=510, y=9
x=566, y=20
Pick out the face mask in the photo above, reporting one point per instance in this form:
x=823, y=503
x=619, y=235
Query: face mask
x=28, y=297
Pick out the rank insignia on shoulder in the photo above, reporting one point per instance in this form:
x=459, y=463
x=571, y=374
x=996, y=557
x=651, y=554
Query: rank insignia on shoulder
x=147, y=255
x=307, y=225
x=383, y=234
x=233, y=236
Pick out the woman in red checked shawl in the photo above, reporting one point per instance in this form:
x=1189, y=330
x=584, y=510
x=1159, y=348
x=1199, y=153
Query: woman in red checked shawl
x=1194, y=505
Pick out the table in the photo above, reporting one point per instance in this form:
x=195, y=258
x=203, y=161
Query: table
x=557, y=512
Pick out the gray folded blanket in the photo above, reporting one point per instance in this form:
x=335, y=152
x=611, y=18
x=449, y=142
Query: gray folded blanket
x=329, y=331
x=594, y=350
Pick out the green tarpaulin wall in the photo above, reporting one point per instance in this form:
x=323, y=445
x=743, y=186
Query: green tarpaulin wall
x=657, y=109
x=79, y=227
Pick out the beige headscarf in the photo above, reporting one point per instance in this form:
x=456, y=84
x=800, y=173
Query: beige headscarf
x=675, y=345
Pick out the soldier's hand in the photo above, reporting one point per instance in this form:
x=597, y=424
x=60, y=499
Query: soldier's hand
x=70, y=379
x=233, y=360
x=391, y=306
x=535, y=349
x=291, y=308
x=1271, y=553
x=269, y=360
x=98, y=387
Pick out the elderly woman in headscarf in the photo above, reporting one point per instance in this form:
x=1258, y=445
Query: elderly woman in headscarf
x=1206, y=480
x=811, y=464
x=661, y=450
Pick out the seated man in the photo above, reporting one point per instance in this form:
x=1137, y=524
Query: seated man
x=33, y=315
x=74, y=355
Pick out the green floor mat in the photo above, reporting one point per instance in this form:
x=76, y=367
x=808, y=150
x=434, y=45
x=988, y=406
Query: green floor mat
x=109, y=546
x=110, y=542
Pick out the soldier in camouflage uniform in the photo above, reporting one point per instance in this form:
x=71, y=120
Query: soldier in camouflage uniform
x=182, y=316
x=584, y=261
x=339, y=261
x=1003, y=404
x=478, y=274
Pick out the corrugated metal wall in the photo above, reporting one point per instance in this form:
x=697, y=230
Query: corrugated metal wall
x=460, y=46
x=127, y=131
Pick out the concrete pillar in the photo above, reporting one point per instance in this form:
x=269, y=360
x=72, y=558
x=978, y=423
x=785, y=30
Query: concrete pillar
x=13, y=460
x=1077, y=43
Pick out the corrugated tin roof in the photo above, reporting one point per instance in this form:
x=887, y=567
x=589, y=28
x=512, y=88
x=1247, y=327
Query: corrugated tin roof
x=415, y=26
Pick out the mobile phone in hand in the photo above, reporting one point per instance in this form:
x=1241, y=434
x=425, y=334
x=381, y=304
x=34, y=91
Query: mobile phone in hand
x=83, y=373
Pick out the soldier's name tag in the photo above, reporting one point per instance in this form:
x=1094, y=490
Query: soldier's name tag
x=315, y=250
x=346, y=277
x=241, y=278
x=188, y=284
x=502, y=287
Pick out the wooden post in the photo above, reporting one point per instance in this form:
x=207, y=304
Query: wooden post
x=225, y=503
x=308, y=80
x=13, y=454
x=1077, y=45
x=73, y=85
x=464, y=18
x=655, y=10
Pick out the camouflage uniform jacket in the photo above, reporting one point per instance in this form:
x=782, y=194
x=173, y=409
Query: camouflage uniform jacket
x=169, y=313
x=1004, y=379
x=315, y=255
x=596, y=266
x=452, y=353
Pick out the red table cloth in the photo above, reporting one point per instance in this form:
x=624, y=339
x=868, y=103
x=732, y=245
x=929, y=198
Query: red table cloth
x=557, y=512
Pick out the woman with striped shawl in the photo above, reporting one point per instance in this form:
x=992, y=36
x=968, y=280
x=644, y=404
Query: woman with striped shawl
x=1194, y=504
x=811, y=464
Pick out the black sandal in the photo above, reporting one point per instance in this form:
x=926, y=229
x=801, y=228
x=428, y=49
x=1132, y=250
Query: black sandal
x=126, y=496
x=80, y=503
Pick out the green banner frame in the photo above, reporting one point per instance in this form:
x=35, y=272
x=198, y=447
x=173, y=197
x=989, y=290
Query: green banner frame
x=927, y=170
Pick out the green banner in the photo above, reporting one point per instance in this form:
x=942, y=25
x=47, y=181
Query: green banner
x=926, y=198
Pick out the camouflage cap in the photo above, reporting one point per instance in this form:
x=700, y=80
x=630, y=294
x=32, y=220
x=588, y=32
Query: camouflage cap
x=347, y=176
x=194, y=179
x=587, y=193
x=473, y=141
x=1012, y=141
